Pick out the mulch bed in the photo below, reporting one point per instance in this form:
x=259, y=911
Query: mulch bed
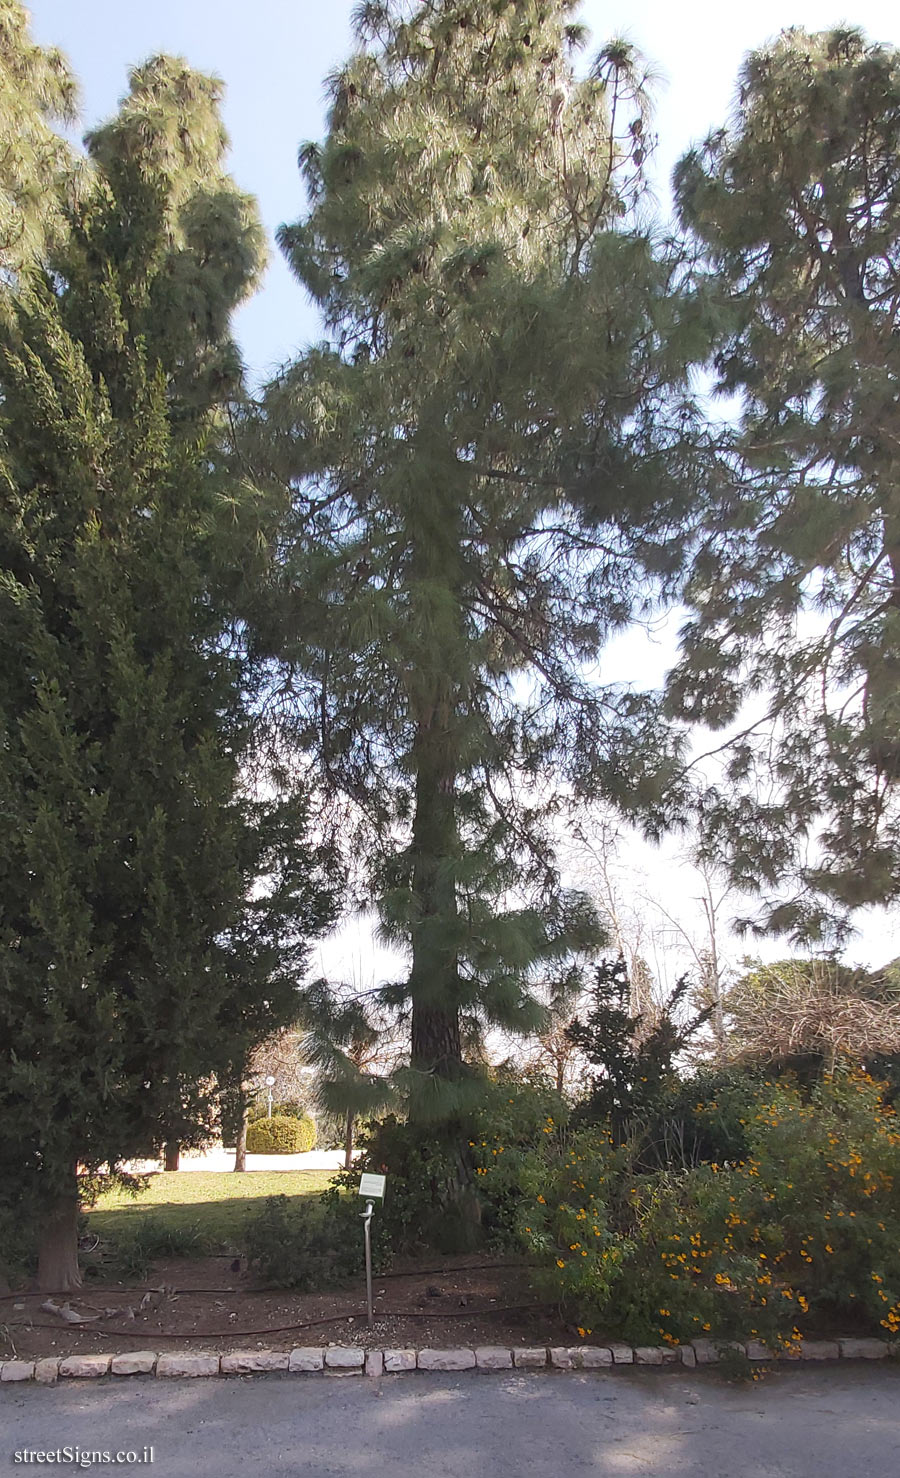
x=208, y=1305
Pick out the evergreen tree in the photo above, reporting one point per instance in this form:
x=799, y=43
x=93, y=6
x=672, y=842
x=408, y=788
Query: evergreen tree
x=474, y=438
x=795, y=590
x=349, y=1042
x=637, y=1058
x=153, y=908
x=36, y=91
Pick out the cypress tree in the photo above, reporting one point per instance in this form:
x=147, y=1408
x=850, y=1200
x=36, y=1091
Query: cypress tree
x=154, y=907
x=467, y=454
x=794, y=210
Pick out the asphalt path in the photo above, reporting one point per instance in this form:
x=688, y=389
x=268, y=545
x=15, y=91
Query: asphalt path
x=835, y=1422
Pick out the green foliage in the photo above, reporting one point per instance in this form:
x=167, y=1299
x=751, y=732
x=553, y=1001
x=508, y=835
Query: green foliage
x=291, y=1244
x=281, y=1136
x=344, y=1039
x=512, y=1119
x=130, y=1253
x=474, y=514
x=155, y=909
x=18, y=1247
x=637, y=1059
x=807, y=1225
x=425, y=1167
x=36, y=92
x=289, y=1108
x=698, y=1120
x=794, y=209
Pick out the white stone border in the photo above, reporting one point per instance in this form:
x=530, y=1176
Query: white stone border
x=354, y=1360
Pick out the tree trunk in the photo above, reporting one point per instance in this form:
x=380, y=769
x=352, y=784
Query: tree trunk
x=58, y=1270
x=434, y=977
x=348, y=1141
x=171, y=1154
x=240, y=1151
x=435, y=985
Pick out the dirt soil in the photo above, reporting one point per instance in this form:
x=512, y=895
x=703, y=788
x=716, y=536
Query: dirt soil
x=209, y=1304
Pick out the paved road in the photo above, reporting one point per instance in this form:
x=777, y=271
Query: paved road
x=831, y=1423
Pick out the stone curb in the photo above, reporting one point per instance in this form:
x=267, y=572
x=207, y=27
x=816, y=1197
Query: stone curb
x=336, y=1360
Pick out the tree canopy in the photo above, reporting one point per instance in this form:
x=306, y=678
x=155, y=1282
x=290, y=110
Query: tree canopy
x=154, y=908
x=795, y=589
x=380, y=597
x=484, y=458
x=37, y=167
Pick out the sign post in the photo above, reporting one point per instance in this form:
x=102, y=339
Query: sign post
x=372, y=1188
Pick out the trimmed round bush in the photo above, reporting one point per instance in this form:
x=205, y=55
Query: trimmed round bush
x=308, y=1136
x=281, y=1135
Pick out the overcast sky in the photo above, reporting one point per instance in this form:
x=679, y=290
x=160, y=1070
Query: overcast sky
x=273, y=56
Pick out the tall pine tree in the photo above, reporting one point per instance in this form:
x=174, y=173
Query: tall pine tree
x=795, y=590
x=37, y=167
x=468, y=454
x=153, y=909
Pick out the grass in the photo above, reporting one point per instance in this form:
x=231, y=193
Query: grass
x=209, y=1206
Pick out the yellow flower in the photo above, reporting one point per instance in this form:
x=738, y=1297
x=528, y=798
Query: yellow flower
x=560, y=1263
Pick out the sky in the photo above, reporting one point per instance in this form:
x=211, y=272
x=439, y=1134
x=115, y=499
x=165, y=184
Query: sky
x=273, y=56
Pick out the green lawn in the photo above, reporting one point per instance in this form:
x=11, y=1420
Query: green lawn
x=213, y=1204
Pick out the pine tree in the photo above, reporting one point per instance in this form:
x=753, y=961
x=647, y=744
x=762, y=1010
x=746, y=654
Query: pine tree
x=474, y=437
x=353, y=1047
x=154, y=908
x=36, y=165
x=795, y=591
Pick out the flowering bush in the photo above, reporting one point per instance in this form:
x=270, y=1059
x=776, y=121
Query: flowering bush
x=807, y=1224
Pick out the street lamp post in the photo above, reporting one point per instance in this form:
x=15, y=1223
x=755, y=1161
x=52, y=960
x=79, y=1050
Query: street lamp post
x=270, y=1083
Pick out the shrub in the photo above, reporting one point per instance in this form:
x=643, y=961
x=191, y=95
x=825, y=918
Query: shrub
x=281, y=1136
x=130, y=1254
x=420, y=1208
x=286, y=1108
x=18, y=1249
x=808, y=1224
x=294, y=1244
x=636, y=1056
x=698, y=1120
x=514, y=1117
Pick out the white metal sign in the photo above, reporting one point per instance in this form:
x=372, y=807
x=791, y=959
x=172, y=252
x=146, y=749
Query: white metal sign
x=372, y=1186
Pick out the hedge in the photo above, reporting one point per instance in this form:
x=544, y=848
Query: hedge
x=281, y=1135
